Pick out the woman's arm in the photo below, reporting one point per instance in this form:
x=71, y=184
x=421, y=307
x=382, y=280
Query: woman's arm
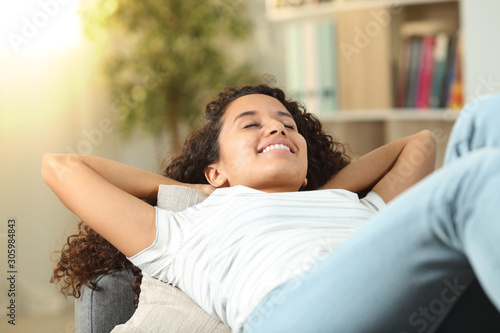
x=390, y=169
x=107, y=196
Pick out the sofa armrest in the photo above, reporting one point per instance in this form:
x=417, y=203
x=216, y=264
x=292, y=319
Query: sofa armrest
x=99, y=311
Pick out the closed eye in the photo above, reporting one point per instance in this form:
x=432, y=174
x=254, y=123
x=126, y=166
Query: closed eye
x=292, y=127
x=251, y=125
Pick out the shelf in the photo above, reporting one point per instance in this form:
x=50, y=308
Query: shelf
x=327, y=9
x=366, y=118
x=447, y=115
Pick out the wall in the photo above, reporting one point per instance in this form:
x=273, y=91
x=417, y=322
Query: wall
x=482, y=48
x=51, y=100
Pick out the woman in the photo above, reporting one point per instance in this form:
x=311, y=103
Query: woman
x=257, y=150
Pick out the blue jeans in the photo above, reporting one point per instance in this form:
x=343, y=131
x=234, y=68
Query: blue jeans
x=404, y=269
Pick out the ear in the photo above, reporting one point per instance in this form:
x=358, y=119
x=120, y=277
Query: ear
x=305, y=182
x=215, y=177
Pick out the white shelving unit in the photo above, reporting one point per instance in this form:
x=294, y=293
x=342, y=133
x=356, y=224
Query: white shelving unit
x=365, y=130
x=391, y=115
x=368, y=128
x=325, y=9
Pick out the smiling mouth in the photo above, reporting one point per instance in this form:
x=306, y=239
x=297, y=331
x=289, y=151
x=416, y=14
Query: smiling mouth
x=275, y=147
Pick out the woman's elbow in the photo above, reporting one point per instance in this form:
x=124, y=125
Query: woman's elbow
x=427, y=135
x=423, y=151
x=426, y=142
x=47, y=166
x=55, y=166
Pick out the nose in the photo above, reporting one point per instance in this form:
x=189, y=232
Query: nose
x=277, y=127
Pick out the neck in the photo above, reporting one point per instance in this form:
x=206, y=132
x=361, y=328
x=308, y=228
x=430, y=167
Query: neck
x=276, y=189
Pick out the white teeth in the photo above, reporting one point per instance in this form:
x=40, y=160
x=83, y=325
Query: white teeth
x=277, y=146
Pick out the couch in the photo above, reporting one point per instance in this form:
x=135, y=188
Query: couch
x=167, y=309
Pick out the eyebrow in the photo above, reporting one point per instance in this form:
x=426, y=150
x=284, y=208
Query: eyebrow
x=253, y=113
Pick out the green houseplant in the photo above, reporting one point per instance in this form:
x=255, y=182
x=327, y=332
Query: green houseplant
x=161, y=58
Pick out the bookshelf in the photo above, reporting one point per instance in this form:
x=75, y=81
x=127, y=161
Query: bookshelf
x=370, y=115
x=327, y=8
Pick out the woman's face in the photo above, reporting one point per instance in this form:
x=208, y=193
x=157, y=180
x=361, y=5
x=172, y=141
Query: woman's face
x=260, y=147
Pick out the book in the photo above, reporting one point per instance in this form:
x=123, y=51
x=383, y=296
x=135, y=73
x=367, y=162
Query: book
x=440, y=56
x=310, y=66
x=327, y=69
x=426, y=67
x=293, y=60
x=402, y=75
x=450, y=72
x=413, y=71
x=455, y=100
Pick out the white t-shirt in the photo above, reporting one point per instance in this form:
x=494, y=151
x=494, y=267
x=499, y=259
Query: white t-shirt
x=228, y=252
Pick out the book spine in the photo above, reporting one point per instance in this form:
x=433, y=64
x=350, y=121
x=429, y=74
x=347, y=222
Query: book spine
x=450, y=75
x=327, y=67
x=415, y=53
x=440, y=58
x=310, y=66
x=456, y=94
x=403, y=68
x=425, y=72
x=293, y=59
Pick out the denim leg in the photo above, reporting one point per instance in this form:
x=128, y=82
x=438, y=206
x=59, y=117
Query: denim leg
x=401, y=271
x=477, y=126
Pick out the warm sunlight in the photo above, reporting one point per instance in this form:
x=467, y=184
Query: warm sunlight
x=38, y=27
x=41, y=60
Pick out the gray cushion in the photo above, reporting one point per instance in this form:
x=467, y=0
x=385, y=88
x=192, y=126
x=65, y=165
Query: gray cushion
x=98, y=311
x=177, y=198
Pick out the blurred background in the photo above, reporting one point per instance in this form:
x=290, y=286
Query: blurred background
x=68, y=84
x=126, y=80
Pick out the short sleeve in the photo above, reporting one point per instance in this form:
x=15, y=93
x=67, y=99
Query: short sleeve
x=373, y=201
x=171, y=229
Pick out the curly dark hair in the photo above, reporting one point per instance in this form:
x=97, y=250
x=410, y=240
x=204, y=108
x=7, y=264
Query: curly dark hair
x=325, y=155
x=86, y=255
